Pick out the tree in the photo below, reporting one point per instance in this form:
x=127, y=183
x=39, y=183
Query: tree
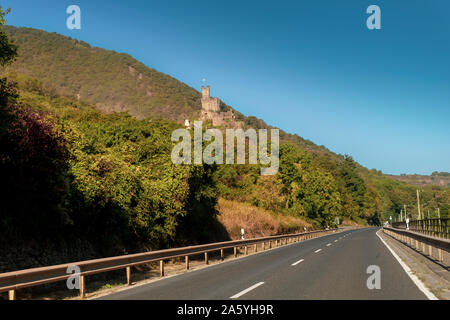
x=352, y=187
x=8, y=51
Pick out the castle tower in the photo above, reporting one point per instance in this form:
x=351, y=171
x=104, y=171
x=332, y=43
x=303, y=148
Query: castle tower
x=209, y=104
x=205, y=92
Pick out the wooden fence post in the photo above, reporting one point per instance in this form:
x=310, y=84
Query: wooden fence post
x=128, y=270
x=161, y=268
x=82, y=287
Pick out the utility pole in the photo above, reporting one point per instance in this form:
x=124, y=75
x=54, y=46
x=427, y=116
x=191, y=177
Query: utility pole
x=418, y=204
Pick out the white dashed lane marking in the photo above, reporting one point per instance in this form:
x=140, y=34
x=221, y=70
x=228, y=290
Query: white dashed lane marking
x=296, y=263
x=237, y=295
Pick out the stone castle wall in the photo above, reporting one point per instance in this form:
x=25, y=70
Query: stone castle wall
x=209, y=103
x=211, y=111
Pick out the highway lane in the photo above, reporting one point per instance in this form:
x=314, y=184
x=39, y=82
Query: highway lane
x=329, y=267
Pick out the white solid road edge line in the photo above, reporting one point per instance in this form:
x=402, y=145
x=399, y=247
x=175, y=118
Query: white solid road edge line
x=408, y=271
x=296, y=263
x=237, y=295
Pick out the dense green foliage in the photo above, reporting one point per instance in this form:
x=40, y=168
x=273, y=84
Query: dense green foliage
x=70, y=174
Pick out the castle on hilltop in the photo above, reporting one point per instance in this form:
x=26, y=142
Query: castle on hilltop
x=211, y=111
x=209, y=103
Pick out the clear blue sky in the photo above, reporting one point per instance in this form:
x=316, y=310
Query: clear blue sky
x=309, y=67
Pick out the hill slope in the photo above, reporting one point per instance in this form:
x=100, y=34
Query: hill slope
x=115, y=81
x=112, y=81
x=435, y=179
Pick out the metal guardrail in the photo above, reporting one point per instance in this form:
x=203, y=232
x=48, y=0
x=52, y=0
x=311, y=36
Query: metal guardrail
x=431, y=227
x=15, y=280
x=422, y=243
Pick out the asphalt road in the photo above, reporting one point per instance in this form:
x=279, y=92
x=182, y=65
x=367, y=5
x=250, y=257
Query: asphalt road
x=329, y=267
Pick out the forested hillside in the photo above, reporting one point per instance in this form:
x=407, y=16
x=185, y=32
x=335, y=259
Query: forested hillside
x=112, y=81
x=81, y=181
x=436, y=179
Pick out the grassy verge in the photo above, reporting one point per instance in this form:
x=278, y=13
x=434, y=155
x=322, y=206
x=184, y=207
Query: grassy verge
x=257, y=222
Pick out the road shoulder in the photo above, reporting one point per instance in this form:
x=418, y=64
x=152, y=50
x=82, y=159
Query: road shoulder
x=433, y=276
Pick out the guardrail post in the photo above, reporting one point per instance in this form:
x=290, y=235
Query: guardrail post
x=235, y=252
x=206, y=258
x=82, y=287
x=186, y=261
x=221, y=254
x=430, y=250
x=246, y=250
x=270, y=244
x=423, y=247
x=161, y=268
x=128, y=269
x=264, y=245
x=12, y=294
x=416, y=244
x=256, y=247
x=440, y=257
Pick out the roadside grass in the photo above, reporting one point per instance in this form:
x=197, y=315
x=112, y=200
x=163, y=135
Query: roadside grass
x=257, y=222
